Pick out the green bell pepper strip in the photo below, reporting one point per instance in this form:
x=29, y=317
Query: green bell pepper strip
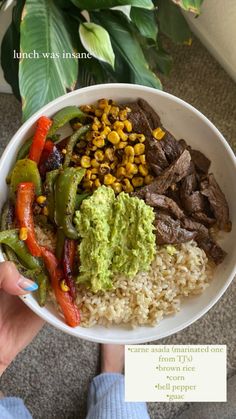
x=72, y=142
x=63, y=116
x=24, y=150
x=25, y=170
x=49, y=191
x=80, y=198
x=60, y=243
x=43, y=284
x=65, y=199
x=11, y=239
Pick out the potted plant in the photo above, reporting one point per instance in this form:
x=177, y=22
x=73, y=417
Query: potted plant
x=52, y=47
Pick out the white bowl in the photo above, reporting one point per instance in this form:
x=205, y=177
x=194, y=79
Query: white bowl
x=183, y=121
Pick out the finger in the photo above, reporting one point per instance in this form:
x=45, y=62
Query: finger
x=13, y=282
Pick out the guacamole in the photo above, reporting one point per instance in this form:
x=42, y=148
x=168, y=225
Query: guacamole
x=116, y=237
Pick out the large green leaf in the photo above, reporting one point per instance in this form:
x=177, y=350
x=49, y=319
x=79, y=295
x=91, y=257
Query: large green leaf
x=10, y=47
x=145, y=21
x=124, y=41
x=96, y=41
x=190, y=5
x=51, y=73
x=106, y=4
x=171, y=21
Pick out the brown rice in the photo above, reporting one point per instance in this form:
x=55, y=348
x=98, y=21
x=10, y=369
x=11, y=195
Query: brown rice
x=148, y=297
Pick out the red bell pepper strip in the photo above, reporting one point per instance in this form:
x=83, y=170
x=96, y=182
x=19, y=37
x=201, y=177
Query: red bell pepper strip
x=68, y=259
x=24, y=214
x=39, y=139
x=64, y=299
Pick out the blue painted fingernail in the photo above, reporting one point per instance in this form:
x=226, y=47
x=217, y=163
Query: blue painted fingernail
x=32, y=287
x=26, y=284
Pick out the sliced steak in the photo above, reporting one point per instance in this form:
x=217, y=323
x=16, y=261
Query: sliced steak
x=212, y=249
x=194, y=202
x=217, y=200
x=203, y=218
x=152, y=117
x=202, y=163
x=171, y=147
x=173, y=174
x=139, y=120
x=165, y=203
x=155, y=155
x=169, y=231
x=204, y=240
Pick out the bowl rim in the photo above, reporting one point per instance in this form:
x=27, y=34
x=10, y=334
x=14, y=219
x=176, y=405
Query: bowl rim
x=78, y=332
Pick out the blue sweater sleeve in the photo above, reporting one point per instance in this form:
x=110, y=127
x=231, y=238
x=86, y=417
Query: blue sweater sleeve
x=106, y=399
x=13, y=408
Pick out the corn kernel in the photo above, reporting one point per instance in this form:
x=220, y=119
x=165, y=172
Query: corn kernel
x=76, y=125
x=113, y=137
x=130, y=159
x=117, y=187
x=122, y=135
x=102, y=103
x=97, y=183
x=142, y=159
x=137, y=181
x=87, y=184
x=139, y=149
x=141, y=138
x=118, y=125
x=104, y=168
x=88, y=174
x=95, y=127
x=121, y=172
x=105, y=132
x=114, y=111
x=105, y=119
x=121, y=144
x=99, y=142
x=23, y=233
x=63, y=151
x=113, y=165
x=137, y=160
x=94, y=163
x=45, y=211
x=143, y=170
x=125, y=159
x=127, y=186
x=133, y=137
x=64, y=286
x=131, y=168
x=123, y=114
x=93, y=177
x=109, y=153
x=107, y=109
x=87, y=108
x=158, y=133
x=41, y=199
x=148, y=179
x=85, y=161
x=128, y=125
x=99, y=155
x=94, y=170
x=109, y=179
x=129, y=151
x=98, y=113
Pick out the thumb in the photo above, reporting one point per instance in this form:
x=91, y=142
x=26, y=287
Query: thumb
x=13, y=282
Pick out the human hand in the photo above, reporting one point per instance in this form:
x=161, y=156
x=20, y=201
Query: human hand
x=18, y=324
